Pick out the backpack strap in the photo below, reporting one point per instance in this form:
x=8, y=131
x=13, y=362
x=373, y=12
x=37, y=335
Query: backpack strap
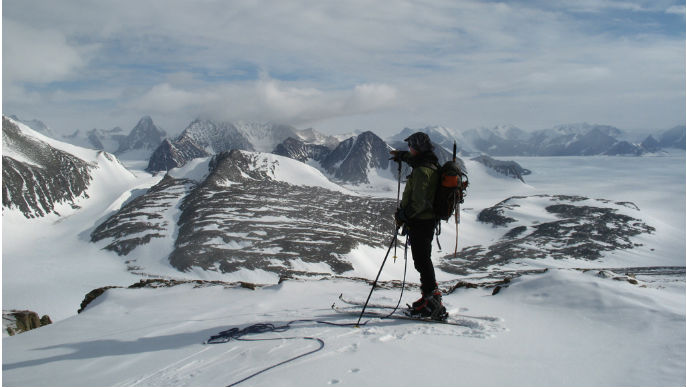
x=431, y=165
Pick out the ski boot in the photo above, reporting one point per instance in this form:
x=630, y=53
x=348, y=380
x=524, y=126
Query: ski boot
x=429, y=306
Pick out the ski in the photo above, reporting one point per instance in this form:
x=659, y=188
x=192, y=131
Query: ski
x=359, y=304
x=401, y=316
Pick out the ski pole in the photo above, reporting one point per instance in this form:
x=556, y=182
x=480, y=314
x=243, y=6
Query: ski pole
x=395, y=238
x=397, y=205
x=457, y=221
x=456, y=200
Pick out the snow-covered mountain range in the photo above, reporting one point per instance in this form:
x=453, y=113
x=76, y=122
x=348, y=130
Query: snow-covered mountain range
x=139, y=144
x=563, y=140
x=351, y=161
x=244, y=210
x=205, y=137
x=238, y=237
x=43, y=176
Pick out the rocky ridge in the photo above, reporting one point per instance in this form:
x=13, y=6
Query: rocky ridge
x=572, y=227
x=206, y=137
x=139, y=143
x=36, y=177
x=239, y=217
x=506, y=168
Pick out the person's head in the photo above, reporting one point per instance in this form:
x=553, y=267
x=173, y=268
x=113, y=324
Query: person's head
x=419, y=143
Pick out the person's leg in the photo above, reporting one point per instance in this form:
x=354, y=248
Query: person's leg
x=421, y=235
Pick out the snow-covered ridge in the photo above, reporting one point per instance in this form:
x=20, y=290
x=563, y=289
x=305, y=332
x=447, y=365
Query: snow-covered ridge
x=85, y=154
x=205, y=137
x=248, y=211
x=580, y=328
x=45, y=176
x=581, y=139
x=291, y=171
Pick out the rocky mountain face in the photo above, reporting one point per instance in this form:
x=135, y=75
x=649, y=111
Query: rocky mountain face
x=143, y=139
x=173, y=154
x=576, y=228
x=146, y=217
x=349, y=161
x=145, y=136
x=301, y=151
x=506, y=168
x=36, y=177
x=205, y=137
x=355, y=157
x=674, y=138
x=239, y=216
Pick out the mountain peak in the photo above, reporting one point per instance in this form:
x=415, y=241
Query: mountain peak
x=144, y=137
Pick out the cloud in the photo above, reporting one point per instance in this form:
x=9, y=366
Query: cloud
x=265, y=99
x=377, y=65
x=36, y=55
x=676, y=10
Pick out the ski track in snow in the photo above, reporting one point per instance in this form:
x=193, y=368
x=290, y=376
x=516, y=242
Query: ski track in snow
x=249, y=355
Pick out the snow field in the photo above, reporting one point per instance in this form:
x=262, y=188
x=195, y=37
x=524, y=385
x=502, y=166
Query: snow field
x=563, y=327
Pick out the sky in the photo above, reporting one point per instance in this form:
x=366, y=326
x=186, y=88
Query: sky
x=339, y=66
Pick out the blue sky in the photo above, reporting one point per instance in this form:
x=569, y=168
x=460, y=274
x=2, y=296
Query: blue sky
x=343, y=66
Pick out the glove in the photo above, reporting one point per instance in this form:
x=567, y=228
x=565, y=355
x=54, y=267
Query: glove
x=397, y=155
x=400, y=218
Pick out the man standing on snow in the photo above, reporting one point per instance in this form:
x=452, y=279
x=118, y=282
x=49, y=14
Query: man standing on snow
x=416, y=213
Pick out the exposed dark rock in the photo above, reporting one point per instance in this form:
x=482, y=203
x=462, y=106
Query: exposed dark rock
x=269, y=225
x=582, y=231
x=142, y=219
x=145, y=135
x=494, y=215
x=154, y=283
x=353, y=157
x=301, y=151
x=203, y=138
x=174, y=154
x=45, y=320
x=92, y=295
x=239, y=217
x=507, y=168
x=515, y=232
x=51, y=177
x=19, y=321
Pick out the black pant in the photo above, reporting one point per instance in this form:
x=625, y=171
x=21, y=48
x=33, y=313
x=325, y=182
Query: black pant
x=421, y=233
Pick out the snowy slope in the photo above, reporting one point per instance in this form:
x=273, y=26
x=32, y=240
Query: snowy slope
x=48, y=263
x=532, y=333
x=291, y=171
x=244, y=213
x=561, y=327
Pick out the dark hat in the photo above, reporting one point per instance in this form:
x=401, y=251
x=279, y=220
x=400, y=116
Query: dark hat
x=420, y=141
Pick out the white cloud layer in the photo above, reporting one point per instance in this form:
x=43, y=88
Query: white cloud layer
x=346, y=65
x=37, y=55
x=264, y=99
